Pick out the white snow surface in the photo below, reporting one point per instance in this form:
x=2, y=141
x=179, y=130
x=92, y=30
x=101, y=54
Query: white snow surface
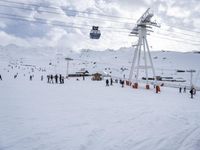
x=116, y=63
x=87, y=115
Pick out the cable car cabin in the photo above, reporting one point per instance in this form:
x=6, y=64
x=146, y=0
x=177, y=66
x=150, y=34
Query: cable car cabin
x=95, y=32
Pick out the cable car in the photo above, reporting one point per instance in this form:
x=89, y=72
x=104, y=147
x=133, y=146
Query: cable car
x=95, y=32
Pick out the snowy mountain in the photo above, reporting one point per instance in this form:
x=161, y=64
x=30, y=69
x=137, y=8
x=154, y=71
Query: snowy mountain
x=114, y=62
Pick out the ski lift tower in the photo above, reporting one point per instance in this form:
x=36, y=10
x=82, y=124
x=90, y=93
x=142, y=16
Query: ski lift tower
x=191, y=77
x=141, y=30
x=68, y=60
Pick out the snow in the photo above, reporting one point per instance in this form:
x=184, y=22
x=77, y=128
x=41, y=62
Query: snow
x=116, y=63
x=87, y=115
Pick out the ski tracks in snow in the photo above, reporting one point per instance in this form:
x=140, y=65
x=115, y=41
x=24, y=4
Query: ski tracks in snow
x=191, y=136
x=93, y=139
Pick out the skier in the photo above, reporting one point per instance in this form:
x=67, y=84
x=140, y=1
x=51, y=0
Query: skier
x=111, y=81
x=157, y=89
x=180, y=89
x=0, y=77
x=56, y=78
x=192, y=92
x=184, y=89
x=122, y=83
x=51, y=77
x=48, y=78
x=31, y=77
x=107, y=82
x=60, y=78
x=15, y=76
x=42, y=78
x=124, y=76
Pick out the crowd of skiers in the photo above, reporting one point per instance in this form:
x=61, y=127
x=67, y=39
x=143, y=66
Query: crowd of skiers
x=59, y=79
x=50, y=78
x=192, y=90
x=110, y=82
x=55, y=79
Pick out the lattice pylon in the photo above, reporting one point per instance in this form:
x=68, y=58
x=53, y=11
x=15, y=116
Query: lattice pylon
x=142, y=50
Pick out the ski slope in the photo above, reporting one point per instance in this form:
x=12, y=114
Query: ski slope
x=87, y=115
x=116, y=63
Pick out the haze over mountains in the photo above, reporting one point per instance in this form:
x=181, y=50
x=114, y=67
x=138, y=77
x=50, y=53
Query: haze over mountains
x=123, y=56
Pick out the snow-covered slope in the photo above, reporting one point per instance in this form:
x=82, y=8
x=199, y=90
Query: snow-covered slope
x=87, y=115
x=115, y=63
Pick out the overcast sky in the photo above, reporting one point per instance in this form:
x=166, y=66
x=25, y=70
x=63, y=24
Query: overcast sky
x=172, y=15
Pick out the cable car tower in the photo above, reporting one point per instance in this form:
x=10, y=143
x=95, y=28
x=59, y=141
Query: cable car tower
x=142, y=52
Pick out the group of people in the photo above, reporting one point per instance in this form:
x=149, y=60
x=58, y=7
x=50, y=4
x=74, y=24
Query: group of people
x=50, y=78
x=184, y=89
x=110, y=82
x=192, y=91
x=55, y=79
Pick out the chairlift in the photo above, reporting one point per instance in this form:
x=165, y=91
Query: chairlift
x=95, y=32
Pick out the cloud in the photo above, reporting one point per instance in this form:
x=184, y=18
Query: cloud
x=7, y=39
x=2, y=25
x=177, y=13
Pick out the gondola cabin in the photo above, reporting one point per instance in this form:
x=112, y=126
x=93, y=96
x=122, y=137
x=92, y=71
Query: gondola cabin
x=95, y=32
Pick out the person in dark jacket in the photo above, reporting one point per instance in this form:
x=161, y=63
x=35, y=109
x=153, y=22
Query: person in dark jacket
x=111, y=81
x=122, y=83
x=51, y=77
x=184, y=89
x=0, y=77
x=180, y=89
x=56, y=78
x=31, y=77
x=107, y=82
x=63, y=80
x=48, y=78
x=60, y=78
x=15, y=76
x=192, y=92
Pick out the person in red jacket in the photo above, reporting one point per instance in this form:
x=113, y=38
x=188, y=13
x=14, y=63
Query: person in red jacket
x=157, y=88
